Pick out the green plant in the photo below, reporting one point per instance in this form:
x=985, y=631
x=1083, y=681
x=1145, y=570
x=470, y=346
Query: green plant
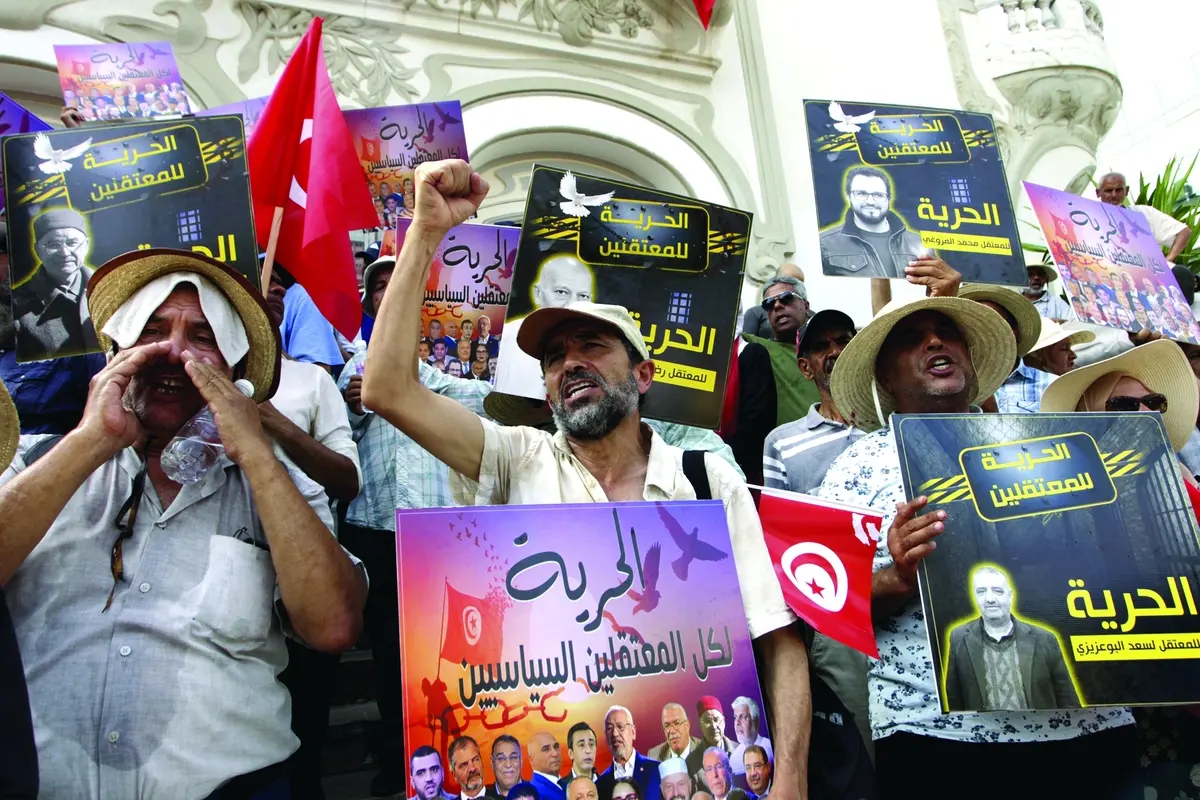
x=1171, y=194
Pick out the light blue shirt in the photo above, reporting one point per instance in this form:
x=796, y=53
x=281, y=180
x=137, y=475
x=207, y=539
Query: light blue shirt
x=1022, y=392
x=307, y=335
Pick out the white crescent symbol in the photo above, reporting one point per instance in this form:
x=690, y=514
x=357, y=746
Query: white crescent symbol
x=472, y=622
x=298, y=195
x=833, y=598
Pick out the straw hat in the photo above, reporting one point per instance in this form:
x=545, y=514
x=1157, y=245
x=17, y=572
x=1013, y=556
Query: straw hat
x=368, y=304
x=989, y=342
x=511, y=409
x=1053, y=333
x=10, y=428
x=121, y=277
x=1161, y=366
x=1029, y=321
x=1051, y=272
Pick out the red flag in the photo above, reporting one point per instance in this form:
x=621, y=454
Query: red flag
x=301, y=155
x=824, y=563
x=705, y=8
x=370, y=149
x=474, y=631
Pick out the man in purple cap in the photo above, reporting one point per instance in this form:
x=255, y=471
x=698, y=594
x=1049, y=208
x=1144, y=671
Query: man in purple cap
x=50, y=307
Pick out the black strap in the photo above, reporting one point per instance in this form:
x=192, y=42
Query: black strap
x=41, y=448
x=697, y=475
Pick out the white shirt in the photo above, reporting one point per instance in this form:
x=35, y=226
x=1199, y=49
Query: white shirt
x=517, y=372
x=174, y=690
x=1163, y=228
x=309, y=398
x=903, y=694
x=737, y=759
x=525, y=466
x=1052, y=306
x=624, y=771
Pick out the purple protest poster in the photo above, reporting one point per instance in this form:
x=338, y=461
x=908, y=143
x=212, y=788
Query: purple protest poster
x=528, y=620
x=14, y=118
x=250, y=110
x=121, y=81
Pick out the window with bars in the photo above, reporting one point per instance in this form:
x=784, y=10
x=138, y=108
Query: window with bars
x=188, y=225
x=959, y=191
x=680, y=309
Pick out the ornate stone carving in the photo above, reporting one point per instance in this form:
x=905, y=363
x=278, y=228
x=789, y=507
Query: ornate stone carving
x=363, y=57
x=577, y=21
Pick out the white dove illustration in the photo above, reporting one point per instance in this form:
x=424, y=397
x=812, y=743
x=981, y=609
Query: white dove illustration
x=56, y=161
x=847, y=124
x=576, y=204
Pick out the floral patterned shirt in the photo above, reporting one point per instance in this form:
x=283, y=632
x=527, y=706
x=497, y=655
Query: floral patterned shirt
x=902, y=693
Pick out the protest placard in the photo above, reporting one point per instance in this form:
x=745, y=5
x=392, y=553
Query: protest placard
x=1111, y=266
x=465, y=297
x=14, y=118
x=895, y=182
x=78, y=197
x=249, y=109
x=1070, y=545
x=121, y=81
x=393, y=141
x=530, y=620
x=674, y=262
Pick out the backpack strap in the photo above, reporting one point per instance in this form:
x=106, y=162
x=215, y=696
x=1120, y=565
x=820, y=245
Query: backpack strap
x=41, y=448
x=697, y=475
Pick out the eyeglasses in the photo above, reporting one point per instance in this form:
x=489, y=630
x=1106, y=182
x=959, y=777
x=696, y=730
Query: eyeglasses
x=678, y=724
x=783, y=297
x=128, y=513
x=879, y=196
x=1153, y=401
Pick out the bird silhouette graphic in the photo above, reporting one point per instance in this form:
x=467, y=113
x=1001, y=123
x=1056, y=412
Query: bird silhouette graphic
x=648, y=600
x=446, y=118
x=576, y=203
x=158, y=53
x=846, y=123
x=689, y=544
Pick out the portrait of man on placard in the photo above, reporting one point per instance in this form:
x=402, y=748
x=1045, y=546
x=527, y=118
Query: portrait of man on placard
x=997, y=662
x=872, y=241
x=50, y=307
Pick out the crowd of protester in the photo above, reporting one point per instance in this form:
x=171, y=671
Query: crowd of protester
x=168, y=640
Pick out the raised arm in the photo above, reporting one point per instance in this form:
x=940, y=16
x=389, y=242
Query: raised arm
x=910, y=538
x=447, y=194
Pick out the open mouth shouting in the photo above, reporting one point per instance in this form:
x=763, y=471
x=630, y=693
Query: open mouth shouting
x=579, y=388
x=941, y=366
x=170, y=386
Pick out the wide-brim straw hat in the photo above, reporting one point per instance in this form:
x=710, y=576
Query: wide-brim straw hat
x=122, y=276
x=10, y=428
x=511, y=409
x=1051, y=272
x=1029, y=321
x=989, y=343
x=368, y=304
x=1161, y=366
x=1053, y=333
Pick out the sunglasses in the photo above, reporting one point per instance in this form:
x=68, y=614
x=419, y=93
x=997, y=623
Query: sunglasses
x=126, y=519
x=1153, y=401
x=784, y=297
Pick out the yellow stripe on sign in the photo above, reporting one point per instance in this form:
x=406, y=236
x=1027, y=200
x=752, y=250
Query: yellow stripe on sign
x=956, y=479
x=934, y=496
x=927, y=484
x=961, y=494
x=967, y=243
x=704, y=380
x=1121, y=456
x=1123, y=470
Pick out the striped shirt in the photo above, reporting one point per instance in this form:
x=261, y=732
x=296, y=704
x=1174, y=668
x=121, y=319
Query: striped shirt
x=797, y=455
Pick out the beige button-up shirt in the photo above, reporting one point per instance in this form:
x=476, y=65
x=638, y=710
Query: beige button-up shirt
x=526, y=466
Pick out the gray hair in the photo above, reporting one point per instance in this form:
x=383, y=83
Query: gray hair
x=1108, y=175
x=610, y=711
x=797, y=286
x=724, y=758
x=992, y=571
x=751, y=706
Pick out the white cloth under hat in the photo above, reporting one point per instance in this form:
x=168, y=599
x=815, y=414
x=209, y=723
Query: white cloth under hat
x=126, y=324
x=672, y=766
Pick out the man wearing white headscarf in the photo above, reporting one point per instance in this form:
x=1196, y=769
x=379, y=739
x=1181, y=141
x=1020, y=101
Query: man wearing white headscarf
x=151, y=615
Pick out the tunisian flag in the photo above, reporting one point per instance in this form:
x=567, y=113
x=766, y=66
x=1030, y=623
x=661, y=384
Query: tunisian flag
x=822, y=554
x=705, y=9
x=302, y=157
x=474, y=631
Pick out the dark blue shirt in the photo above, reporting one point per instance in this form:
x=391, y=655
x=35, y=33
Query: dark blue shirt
x=49, y=395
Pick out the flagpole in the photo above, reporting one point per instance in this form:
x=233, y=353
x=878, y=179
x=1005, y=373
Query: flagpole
x=442, y=636
x=272, y=242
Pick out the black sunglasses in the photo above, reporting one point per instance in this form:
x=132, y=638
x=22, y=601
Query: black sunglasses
x=1153, y=401
x=126, y=519
x=784, y=297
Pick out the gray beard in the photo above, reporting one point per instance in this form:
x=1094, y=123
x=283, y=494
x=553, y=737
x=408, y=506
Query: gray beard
x=601, y=417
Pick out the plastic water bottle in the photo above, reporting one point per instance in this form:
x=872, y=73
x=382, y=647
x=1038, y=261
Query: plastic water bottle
x=197, y=445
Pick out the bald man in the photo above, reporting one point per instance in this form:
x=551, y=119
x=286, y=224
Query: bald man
x=755, y=320
x=1171, y=234
x=562, y=280
x=582, y=789
x=545, y=757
